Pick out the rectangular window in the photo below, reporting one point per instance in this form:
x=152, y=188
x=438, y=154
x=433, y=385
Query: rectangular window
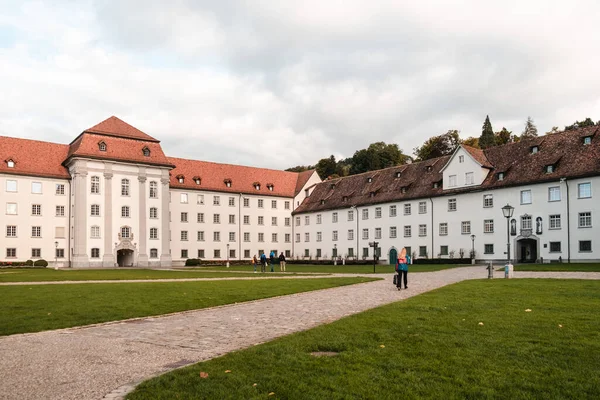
x=306, y=253
x=407, y=209
x=319, y=236
x=287, y=237
x=216, y=236
x=11, y=252
x=350, y=215
x=60, y=189
x=443, y=250
x=555, y=222
x=525, y=196
x=452, y=181
x=11, y=186
x=153, y=253
x=201, y=253
x=200, y=199
x=216, y=200
x=377, y=233
x=246, y=236
x=307, y=220
x=555, y=247
x=377, y=212
x=365, y=234
x=261, y=203
x=526, y=222
x=36, y=209
x=297, y=238
x=392, y=211
x=287, y=221
x=153, y=233
x=11, y=231
x=319, y=219
x=232, y=236
x=488, y=200
x=318, y=253
x=585, y=220
x=297, y=221
x=351, y=252
x=184, y=235
x=469, y=179
x=365, y=213
x=422, y=230
x=11, y=208
x=584, y=190
x=422, y=251
x=95, y=210
x=232, y=202
x=422, y=207
x=365, y=252
x=261, y=220
x=217, y=253
x=183, y=198
x=184, y=253
x=554, y=193
x=36, y=187
x=232, y=218
x=60, y=211
x=461, y=159
x=261, y=237
x=465, y=227
x=585, y=246
x=488, y=226
x=287, y=205
x=350, y=234
x=246, y=253
x=184, y=216
x=216, y=218
x=488, y=248
x=95, y=232
x=443, y=228
x=307, y=237
x=274, y=221
x=36, y=253
x=60, y=253
x=95, y=252
x=407, y=231
x=273, y=204
x=200, y=218
x=451, y=204
x=246, y=202
x=232, y=253
x=246, y=220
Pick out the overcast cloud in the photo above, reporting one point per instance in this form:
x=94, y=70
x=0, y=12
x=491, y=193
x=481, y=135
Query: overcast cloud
x=281, y=83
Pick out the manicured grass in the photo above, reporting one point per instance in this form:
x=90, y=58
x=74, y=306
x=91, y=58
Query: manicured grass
x=562, y=267
x=342, y=269
x=33, y=308
x=47, y=275
x=430, y=346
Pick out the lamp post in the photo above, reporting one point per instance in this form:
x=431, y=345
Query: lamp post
x=472, y=249
x=227, y=255
x=56, y=255
x=335, y=254
x=507, y=211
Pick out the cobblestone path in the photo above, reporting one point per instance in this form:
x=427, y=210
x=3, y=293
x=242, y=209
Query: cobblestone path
x=107, y=360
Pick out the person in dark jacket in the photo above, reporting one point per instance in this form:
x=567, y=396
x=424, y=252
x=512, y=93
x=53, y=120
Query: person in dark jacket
x=281, y=262
x=263, y=262
x=272, y=260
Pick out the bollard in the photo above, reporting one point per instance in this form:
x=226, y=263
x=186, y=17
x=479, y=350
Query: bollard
x=508, y=271
x=490, y=269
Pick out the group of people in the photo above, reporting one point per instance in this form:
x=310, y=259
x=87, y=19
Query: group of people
x=402, y=269
x=263, y=261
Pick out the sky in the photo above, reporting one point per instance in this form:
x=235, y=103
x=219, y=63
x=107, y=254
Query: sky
x=276, y=84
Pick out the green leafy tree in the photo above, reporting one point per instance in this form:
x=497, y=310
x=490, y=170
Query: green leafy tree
x=438, y=146
x=530, y=130
x=580, y=124
x=471, y=141
x=504, y=136
x=326, y=167
x=300, y=168
x=377, y=156
x=554, y=129
x=487, y=138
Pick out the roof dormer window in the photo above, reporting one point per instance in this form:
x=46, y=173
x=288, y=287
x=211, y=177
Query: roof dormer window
x=322, y=202
x=549, y=169
x=587, y=140
x=398, y=174
x=197, y=180
x=270, y=186
x=180, y=178
x=333, y=185
x=403, y=189
x=429, y=168
x=227, y=182
x=500, y=176
x=371, y=194
x=436, y=185
x=344, y=198
x=146, y=152
x=10, y=163
x=102, y=146
x=256, y=185
x=369, y=179
x=534, y=149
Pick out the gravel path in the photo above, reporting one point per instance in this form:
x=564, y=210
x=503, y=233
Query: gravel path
x=107, y=360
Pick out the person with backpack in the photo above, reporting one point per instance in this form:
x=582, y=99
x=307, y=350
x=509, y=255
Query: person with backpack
x=402, y=269
x=263, y=262
x=254, y=262
x=272, y=260
x=281, y=262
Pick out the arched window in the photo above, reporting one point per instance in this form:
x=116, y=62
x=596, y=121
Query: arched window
x=153, y=253
x=95, y=189
x=153, y=190
x=124, y=187
x=153, y=233
x=95, y=232
x=125, y=232
x=146, y=152
x=125, y=211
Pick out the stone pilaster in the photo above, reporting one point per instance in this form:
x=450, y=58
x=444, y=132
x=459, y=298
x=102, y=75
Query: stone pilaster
x=165, y=252
x=143, y=233
x=80, y=213
x=108, y=258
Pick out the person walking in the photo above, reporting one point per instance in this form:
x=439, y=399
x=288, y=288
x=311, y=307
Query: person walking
x=281, y=262
x=254, y=262
x=263, y=262
x=402, y=269
x=272, y=260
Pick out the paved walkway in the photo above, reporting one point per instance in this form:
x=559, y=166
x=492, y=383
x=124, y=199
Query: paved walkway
x=107, y=360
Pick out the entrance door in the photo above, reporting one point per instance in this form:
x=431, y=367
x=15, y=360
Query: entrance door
x=527, y=250
x=125, y=258
x=393, y=257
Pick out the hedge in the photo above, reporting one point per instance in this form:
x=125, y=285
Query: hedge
x=40, y=263
x=441, y=261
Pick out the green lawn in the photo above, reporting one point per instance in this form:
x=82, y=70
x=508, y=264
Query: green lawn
x=341, y=269
x=47, y=274
x=33, y=308
x=430, y=346
x=562, y=267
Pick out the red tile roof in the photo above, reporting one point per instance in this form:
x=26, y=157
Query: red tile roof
x=33, y=157
x=478, y=155
x=565, y=150
x=213, y=177
x=303, y=177
x=113, y=126
x=117, y=149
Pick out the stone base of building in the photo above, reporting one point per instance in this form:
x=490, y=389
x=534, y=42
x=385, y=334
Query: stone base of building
x=165, y=261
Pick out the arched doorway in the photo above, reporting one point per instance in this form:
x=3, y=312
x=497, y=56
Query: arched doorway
x=393, y=256
x=125, y=258
x=527, y=250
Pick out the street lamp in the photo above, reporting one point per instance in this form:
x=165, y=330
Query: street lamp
x=56, y=255
x=507, y=211
x=335, y=254
x=472, y=249
x=227, y=255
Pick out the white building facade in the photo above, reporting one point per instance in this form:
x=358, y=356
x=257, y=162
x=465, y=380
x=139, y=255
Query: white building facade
x=112, y=198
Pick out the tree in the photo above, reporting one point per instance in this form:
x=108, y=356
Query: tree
x=504, y=136
x=487, y=134
x=580, y=124
x=530, y=130
x=438, y=146
x=300, y=168
x=471, y=141
x=326, y=167
x=377, y=156
x=553, y=130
